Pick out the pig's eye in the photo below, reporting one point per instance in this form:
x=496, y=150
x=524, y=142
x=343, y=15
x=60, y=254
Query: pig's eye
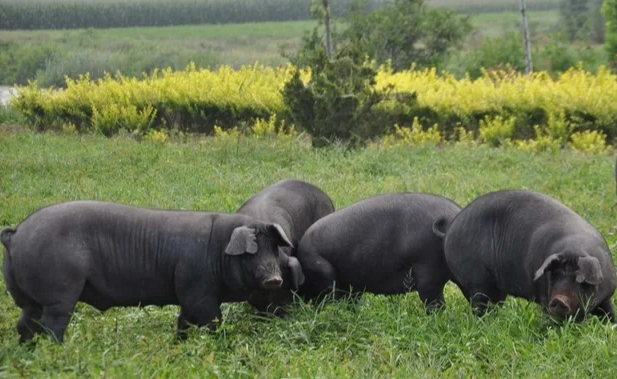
x=247, y=256
x=558, y=272
x=587, y=286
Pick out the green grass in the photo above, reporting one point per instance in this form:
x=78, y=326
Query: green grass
x=50, y=55
x=137, y=50
x=492, y=24
x=381, y=337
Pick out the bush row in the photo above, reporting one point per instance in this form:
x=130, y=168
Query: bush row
x=499, y=106
x=589, y=142
x=69, y=14
x=194, y=100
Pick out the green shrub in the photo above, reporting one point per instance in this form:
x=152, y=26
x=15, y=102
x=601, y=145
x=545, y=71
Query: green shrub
x=609, y=10
x=19, y=63
x=336, y=104
x=496, y=52
x=558, y=56
x=407, y=33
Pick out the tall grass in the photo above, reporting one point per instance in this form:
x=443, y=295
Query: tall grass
x=380, y=337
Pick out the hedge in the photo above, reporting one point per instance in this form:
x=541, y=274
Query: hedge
x=510, y=105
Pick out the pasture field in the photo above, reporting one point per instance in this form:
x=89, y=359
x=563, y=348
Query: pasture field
x=381, y=337
x=49, y=55
x=137, y=50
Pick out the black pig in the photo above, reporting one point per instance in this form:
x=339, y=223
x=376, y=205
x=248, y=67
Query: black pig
x=387, y=244
x=529, y=245
x=294, y=205
x=108, y=255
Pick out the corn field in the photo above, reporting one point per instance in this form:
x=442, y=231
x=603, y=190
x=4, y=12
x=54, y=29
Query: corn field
x=71, y=14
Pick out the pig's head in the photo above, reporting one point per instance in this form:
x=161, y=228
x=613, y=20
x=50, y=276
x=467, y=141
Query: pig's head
x=274, y=301
x=256, y=254
x=572, y=282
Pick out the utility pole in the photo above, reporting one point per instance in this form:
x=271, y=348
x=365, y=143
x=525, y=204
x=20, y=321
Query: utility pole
x=326, y=5
x=526, y=42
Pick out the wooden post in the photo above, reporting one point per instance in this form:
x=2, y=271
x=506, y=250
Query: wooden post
x=326, y=5
x=526, y=42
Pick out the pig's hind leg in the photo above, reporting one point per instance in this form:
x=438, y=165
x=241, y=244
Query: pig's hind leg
x=29, y=322
x=320, y=277
x=483, y=297
x=57, y=314
x=430, y=283
x=475, y=281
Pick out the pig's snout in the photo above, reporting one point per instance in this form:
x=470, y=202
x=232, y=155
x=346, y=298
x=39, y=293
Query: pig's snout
x=273, y=282
x=560, y=306
x=270, y=276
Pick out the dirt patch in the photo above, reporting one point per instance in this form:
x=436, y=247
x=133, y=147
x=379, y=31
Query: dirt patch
x=13, y=128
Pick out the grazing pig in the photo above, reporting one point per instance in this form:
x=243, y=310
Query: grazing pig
x=294, y=205
x=529, y=245
x=388, y=244
x=107, y=255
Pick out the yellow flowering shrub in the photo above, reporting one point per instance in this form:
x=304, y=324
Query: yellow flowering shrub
x=232, y=133
x=464, y=137
x=558, y=127
x=192, y=99
x=542, y=142
x=497, y=130
x=496, y=107
x=268, y=128
x=114, y=117
x=593, y=141
x=416, y=135
x=158, y=136
x=69, y=128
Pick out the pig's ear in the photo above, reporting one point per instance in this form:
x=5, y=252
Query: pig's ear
x=279, y=234
x=548, y=264
x=589, y=271
x=242, y=241
x=296, y=272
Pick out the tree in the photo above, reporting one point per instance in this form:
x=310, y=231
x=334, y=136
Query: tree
x=609, y=9
x=574, y=16
x=597, y=23
x=406, y=33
